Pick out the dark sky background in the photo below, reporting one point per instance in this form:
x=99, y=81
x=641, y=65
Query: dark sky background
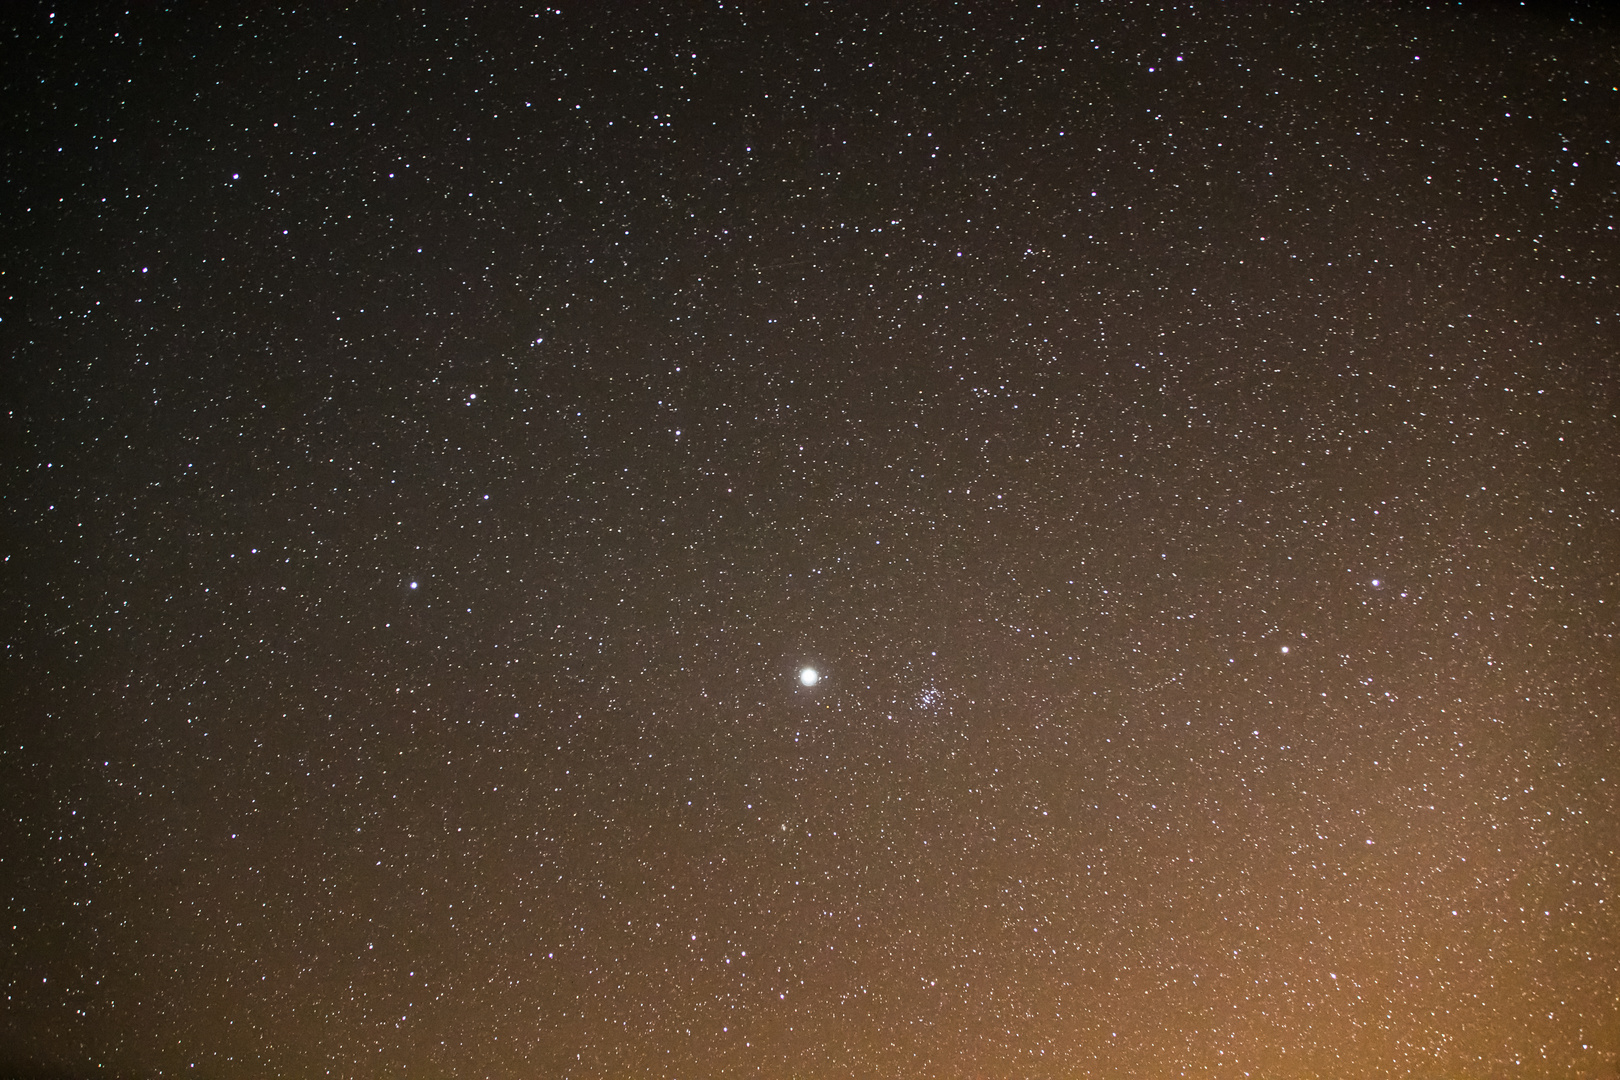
x=1182, y=436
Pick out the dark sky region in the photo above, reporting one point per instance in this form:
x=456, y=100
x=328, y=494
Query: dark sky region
x=1182, y=437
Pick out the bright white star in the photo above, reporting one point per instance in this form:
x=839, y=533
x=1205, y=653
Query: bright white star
x=809, y=676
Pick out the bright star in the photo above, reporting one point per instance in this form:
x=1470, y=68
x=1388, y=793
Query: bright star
x=809, y=676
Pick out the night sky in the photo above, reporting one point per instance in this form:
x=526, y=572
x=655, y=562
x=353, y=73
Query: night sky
x=1181, y=438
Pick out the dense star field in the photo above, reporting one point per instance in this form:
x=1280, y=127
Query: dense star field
x=1182, y=440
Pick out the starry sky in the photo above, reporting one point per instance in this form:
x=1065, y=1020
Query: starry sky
x=1182, y=437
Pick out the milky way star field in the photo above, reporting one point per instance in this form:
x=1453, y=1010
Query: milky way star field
x=810, y=541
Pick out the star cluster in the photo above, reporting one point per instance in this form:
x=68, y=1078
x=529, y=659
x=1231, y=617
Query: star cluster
x=811, y=540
